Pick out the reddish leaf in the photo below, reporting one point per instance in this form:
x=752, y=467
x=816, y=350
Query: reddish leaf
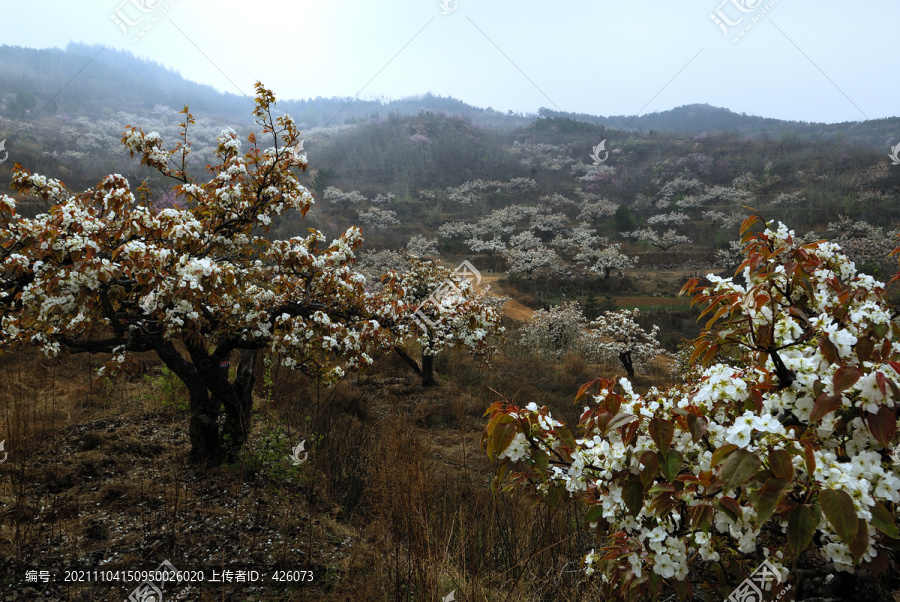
x=729, y=506
x=662, y=431
x=619, y=420
x=883, y=425
x=810, y=459
x=879, y=378
x=829, y=351
x=860, y=542
x=824, y=405
x=698, y=426
x=864, y=348
x=781, y=464
x=651, y=468
x=838, y=508
x=701, y=517
x=845, y=377
x=683, y=589
x=662, y=504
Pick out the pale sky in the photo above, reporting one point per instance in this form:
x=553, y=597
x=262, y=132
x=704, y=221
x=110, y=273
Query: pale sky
x=824, y=61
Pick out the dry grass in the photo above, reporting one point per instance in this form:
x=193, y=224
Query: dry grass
x=393, y=504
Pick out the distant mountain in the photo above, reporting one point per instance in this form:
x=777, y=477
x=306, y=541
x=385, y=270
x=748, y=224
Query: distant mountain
x=86, y=80
x=694, y=119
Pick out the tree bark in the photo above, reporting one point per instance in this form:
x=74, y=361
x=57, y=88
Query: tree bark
x=406, y=358
x=625, y=358
x=237, y=409
x=428, y=370
x=206, y=448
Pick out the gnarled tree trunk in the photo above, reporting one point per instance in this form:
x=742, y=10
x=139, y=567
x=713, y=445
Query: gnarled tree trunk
x=206, y=378
x=625, y=358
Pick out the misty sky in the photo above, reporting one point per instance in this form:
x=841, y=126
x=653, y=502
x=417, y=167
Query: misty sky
x=824, y=61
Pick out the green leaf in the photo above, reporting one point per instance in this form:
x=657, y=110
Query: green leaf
x=883, y=520
x=838, y=508
x=781, y=464
x=768, y=498
x=501, y=438
x=594, y=514
x=739, y=467
x=541, y=459
x=633, y=496
x=555, y=496
x=801, y=527
x=670, y=463
x=721, y=453
x=662, y=431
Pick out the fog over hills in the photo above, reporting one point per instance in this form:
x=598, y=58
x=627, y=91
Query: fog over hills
x=85, y=80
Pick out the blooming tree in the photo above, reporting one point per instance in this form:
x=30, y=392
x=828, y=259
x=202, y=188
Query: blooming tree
x=527, y=258
x=336, y=196
x=616, y=334
x=554, y=330
x=787, y=445
x=422, y=246
x=378, y=218
x=384, y=199
x=489, y=246
x=662, y=240
x=101, y=272
x=604, y=261
x=442, y=309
